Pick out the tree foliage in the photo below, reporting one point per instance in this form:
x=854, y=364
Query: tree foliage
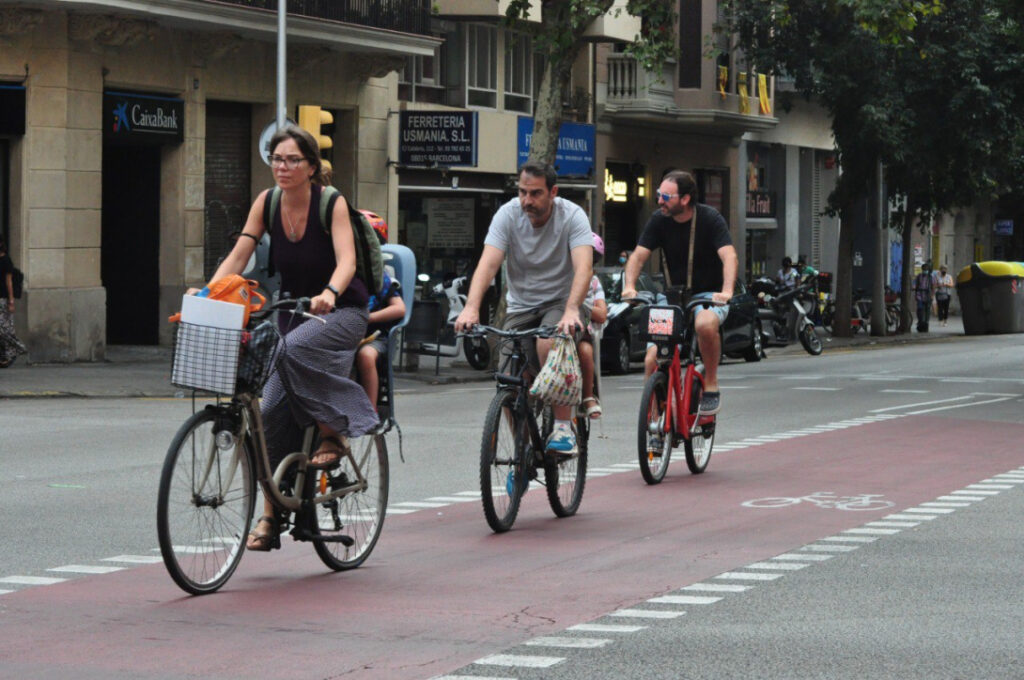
x=559, y=37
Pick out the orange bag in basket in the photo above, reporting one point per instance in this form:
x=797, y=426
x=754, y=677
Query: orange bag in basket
x=234, y=289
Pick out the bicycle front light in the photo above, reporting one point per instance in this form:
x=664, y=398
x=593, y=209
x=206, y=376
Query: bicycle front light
x=225, y=440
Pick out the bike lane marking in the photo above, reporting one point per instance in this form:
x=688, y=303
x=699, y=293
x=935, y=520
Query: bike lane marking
x=428, y=597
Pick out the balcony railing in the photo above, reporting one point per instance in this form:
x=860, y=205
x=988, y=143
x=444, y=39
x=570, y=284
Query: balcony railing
x=628, y=84
x=406, y=16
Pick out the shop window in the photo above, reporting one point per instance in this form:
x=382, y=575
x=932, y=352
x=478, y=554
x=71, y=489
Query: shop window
x=481, y=65
x=519, y=68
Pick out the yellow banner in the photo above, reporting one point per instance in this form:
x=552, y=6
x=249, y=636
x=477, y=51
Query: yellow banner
x=741, y=83
x=723, y=79
x=762, y=93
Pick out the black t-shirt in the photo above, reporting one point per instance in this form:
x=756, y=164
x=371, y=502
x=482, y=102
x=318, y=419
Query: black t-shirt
x=6, y=267
x=673, y=238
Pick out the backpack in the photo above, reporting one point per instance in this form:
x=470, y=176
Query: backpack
x=17, y=282
x=369, y=260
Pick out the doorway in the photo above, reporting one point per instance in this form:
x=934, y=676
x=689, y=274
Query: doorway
x=130, y=241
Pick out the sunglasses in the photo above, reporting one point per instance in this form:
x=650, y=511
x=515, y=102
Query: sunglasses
x=667, y=197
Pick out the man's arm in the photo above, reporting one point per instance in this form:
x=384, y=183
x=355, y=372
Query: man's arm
x=635, y=263
x=583, y=272
x=730, y=265
x=486, y=269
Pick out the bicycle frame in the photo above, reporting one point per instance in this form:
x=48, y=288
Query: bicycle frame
x=516, y=380
x=685, y=424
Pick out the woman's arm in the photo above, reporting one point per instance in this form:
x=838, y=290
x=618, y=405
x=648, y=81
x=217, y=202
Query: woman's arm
x=9, y=284
x=345, y=255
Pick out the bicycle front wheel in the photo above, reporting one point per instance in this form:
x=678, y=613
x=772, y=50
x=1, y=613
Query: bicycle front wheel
x=565, y=477
x=701, y=438
x=654, y=445
x=503, y=477
x=352, y=523
x=205, y=503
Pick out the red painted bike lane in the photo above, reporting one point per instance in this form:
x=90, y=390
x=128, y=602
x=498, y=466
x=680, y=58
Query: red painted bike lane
x=441, y=591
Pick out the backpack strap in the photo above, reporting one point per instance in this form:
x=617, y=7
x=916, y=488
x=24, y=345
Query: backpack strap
x=271, y=204
x=328, y=197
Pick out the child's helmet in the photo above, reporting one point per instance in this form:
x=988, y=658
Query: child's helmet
x=598, y=244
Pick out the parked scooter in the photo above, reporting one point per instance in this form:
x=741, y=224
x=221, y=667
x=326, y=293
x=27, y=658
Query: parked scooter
x=783, y=314
x=476, y=349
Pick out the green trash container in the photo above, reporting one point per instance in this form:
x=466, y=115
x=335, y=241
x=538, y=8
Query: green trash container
x=992, y=297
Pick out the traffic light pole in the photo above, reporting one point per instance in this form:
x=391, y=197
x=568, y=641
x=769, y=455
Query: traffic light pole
x=282, y=13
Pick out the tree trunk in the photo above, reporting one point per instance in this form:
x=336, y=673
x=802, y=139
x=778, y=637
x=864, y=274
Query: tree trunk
x=906, y=276
x=878, y=203
x=844, y=276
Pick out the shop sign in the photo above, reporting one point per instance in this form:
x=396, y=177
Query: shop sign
x=1004, y=228
x=575, y=154
x=437, y=138
x=12, y=109
x=139, y=119
x=760, y=204
x=450, y=222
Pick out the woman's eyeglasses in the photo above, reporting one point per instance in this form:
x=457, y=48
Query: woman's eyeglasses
x=290, y=162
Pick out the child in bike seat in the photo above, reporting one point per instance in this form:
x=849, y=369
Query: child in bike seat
x=386, y=309
x=595, y=303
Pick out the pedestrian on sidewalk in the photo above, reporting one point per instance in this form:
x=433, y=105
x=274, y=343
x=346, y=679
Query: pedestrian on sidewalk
x=10, y=346
x=943, y=293
x=923, y=291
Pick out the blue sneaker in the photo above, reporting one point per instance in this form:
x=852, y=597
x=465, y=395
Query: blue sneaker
x=562, y=441
x=510, y=484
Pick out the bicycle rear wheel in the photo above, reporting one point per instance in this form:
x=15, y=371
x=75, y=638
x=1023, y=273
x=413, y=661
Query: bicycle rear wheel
x=503, y=449
x=205, y=502
x=699, y=443
x=654, y=445
x=565, y=477
x=359, y=515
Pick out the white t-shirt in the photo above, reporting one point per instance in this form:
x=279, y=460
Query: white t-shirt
x=538, y=260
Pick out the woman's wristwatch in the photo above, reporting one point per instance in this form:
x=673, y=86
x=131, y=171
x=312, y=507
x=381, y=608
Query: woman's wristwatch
x=333, y=290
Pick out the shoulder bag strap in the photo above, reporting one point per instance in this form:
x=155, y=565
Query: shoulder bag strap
x=689, y=257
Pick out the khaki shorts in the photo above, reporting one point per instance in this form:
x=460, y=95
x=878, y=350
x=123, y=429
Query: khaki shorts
x=548, y=315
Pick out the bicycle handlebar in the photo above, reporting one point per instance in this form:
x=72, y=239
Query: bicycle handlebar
x=541, y=332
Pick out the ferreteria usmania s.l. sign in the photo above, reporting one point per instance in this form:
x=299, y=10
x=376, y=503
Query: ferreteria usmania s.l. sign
x=437, y=138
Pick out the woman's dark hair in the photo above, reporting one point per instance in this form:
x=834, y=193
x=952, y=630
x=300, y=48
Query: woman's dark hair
x=309, y=148
x=538, y=169
x=685, y=184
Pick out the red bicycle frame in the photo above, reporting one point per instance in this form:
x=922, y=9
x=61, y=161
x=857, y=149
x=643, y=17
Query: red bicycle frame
x=676, y=395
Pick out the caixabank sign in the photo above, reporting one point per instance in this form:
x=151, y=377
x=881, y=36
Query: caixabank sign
x=141, y=119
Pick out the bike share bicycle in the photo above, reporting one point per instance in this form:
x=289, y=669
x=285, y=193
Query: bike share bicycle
x=512, y=451
x=670, y=405
x=208, y=484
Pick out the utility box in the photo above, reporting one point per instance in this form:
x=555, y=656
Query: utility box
x=992, y=297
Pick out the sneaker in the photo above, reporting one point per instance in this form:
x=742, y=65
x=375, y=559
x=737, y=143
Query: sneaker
x=710, y=403
x=562, y=440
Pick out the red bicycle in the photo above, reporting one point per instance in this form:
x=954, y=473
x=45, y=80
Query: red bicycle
x=669, y=409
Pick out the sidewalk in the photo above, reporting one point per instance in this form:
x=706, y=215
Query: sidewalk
x=132, y=371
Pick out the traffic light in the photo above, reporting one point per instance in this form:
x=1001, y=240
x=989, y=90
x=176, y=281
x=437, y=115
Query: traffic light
x=313, y=119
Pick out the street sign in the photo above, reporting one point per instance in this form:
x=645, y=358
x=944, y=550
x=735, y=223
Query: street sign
x=268, y=132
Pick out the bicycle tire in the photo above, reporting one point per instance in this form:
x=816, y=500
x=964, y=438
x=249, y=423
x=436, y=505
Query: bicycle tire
x=502, y=472
x=202, y=544
x=358, y=515
x=653, y=463
x=565, y=477
x=697, y=445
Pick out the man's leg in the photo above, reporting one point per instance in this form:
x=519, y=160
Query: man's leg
x=707, y=324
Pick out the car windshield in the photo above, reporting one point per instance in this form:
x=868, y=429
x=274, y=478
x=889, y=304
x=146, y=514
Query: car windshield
x=611, y=281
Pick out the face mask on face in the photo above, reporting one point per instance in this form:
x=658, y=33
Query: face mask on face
x=622, y=260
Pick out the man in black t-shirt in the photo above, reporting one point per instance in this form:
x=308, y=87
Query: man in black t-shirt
x=714, y=267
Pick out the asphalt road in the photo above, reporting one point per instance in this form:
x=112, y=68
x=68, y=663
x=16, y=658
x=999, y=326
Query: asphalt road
x=934, y=598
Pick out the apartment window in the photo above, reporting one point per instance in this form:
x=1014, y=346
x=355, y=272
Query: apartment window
x=481, y=65
x=519, y=67
x=691, y=44
x=422, y=79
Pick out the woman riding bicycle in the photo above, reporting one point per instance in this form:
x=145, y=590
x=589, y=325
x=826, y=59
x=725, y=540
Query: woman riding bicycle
x=311, y=383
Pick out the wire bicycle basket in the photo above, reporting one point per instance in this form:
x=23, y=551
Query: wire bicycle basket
x=224, y=361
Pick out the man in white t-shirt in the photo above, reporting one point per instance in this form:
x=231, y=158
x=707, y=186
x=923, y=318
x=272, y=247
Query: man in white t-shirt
x=547, y=244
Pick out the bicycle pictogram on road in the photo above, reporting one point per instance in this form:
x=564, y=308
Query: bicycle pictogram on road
x=824, y=499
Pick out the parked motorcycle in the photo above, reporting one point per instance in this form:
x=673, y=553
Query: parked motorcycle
x=783, y=314
x=476, y=349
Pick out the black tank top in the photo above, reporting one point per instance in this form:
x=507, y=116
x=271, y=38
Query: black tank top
x=306, y=266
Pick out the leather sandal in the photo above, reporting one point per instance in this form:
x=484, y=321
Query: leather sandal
x=330, y=451
x=594, y=410
x=264, y=541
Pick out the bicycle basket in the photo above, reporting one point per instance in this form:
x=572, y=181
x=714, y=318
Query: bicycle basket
x=206, y=358
x=258, y=357
x=662, y=324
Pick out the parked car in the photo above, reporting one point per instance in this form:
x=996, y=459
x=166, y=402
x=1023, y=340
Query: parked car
x=621, y=342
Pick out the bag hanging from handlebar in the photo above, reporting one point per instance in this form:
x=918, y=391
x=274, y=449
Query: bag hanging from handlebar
x=559, y=381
